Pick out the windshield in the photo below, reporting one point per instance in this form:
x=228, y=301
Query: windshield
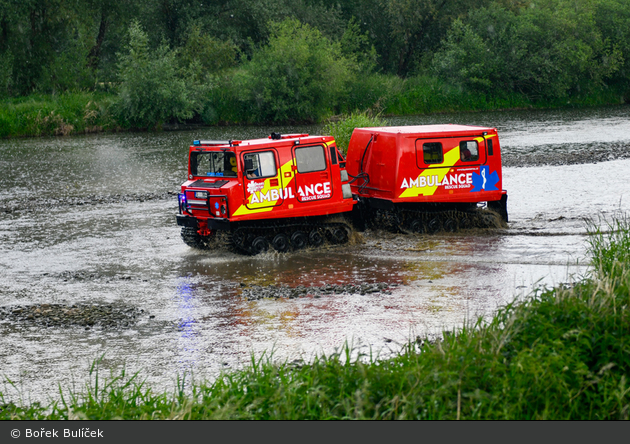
x=213, y=164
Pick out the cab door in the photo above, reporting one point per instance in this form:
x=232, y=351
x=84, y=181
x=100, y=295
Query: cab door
x=261, y=180
x=313, y=178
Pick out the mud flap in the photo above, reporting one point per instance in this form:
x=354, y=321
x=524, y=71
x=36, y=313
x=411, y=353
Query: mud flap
x=500, y=206
x=359, y=215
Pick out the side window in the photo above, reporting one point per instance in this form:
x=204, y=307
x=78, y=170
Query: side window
x=229, y=162
x=490, y=148
x=333, y=154
x=469, y=151
x=432, y=152
x=310, y=158
x=260, y=165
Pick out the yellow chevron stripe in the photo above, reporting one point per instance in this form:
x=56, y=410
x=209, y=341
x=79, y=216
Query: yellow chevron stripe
x=440, y=170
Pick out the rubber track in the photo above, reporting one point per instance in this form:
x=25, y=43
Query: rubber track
x=193, y=239
x=402, y=221
x=271, y=229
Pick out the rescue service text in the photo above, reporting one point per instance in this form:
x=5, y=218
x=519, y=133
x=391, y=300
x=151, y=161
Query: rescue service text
x=314, y=192
x=450, y=181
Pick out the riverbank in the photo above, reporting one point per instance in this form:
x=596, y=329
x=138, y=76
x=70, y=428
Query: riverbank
x=561, y=354
x=91, y=112
x=56, y=115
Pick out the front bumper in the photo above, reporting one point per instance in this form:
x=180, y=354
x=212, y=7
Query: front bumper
x=213, y=224
x=186, y=221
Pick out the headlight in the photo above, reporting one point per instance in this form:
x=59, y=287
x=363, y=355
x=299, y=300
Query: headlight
x=201, y=194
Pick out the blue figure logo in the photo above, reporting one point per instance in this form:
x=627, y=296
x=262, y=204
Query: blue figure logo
x=216, y=205
x=484, y=180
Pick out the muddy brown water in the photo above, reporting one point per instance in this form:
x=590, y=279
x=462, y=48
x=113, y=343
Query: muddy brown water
x=89, y=221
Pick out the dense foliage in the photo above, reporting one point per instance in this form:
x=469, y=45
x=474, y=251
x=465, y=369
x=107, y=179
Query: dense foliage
x=242, y=61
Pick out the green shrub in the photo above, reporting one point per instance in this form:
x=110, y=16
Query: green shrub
x=369, y=91
x=342, y=130
x=552, y=50
x=154, y=89
x=300, y=76
x=211, y=54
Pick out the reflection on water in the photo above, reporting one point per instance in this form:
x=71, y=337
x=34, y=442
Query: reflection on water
x=92, y=219
x=188, y=338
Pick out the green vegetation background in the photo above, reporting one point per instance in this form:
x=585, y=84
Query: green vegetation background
x=70, y=66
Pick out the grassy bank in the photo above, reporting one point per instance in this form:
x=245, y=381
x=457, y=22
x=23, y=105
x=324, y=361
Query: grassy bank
x=562, y=354
x=85, y=112
x=56, y=115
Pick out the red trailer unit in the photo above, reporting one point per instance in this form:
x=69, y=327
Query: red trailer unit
x=284, y=190
x=427, y=178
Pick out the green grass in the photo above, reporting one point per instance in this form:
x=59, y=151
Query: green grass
x=563, y=353
x=426, y=95
x=46, y=115
x=609, y=244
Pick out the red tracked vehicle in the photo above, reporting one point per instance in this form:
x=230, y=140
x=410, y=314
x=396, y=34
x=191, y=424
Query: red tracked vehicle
x=427, y=178
x=287, y=191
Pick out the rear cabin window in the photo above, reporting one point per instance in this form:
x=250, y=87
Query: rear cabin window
x=469, y=151
x=310, y=158
x=432, y=153
x=333, y=154
x=263, y=165
x=213, y=164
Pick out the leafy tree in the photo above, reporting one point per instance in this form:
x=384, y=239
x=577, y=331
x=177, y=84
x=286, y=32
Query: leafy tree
x=211, y=54
x=417, y=26
x=153, y=89
x=56, y=45
x=548, y=50
x=356, y=44
x=612, y=18
x=31, y=31
x=108, y=22
x=6, y=73
x=299, y=76
x=405, y=33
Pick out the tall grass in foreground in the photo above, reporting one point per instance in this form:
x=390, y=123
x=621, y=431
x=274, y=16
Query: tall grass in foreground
x=610, y=247
x=564, y=353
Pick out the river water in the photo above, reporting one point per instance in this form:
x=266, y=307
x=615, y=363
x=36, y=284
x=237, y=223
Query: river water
x=91, y=220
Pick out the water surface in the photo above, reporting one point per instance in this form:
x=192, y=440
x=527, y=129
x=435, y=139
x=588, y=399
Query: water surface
x=92, y=219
